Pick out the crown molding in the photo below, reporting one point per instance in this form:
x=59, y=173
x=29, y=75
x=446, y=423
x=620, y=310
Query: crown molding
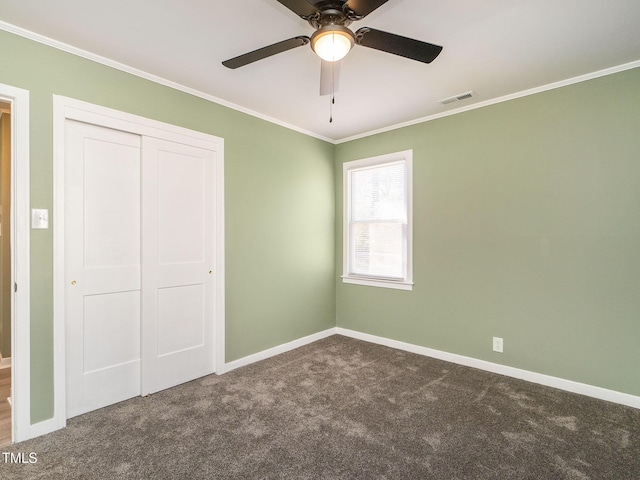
x=493, y=101
x=36, y=37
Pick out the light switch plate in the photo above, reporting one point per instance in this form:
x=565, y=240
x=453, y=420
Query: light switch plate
x=39, y=218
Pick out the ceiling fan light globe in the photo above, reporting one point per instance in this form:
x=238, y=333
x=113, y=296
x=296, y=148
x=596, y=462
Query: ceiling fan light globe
x=332, y=43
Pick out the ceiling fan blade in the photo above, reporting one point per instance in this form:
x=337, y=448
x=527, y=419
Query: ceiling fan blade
x=397, y=45
x=362, y=8
x=329, y=71
x=265, y=52
x=301, y=8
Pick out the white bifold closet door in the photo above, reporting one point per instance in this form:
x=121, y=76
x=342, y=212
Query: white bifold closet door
x=139, y=242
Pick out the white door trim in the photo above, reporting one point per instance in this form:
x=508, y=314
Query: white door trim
x=67, y=108
x=20, y=267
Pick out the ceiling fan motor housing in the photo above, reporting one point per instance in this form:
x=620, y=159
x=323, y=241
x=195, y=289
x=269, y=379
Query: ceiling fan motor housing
x=330, y=22
x=331, y=13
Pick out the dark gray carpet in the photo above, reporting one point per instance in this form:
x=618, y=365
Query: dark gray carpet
x=342, y=408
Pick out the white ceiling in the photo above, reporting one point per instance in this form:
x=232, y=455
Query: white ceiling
x=493, y=47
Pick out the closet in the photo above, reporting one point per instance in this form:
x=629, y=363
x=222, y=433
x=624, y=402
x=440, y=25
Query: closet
x=139, y=260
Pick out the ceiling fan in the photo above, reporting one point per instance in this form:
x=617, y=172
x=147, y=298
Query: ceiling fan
x=332, y=39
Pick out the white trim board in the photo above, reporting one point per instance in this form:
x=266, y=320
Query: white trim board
x=36, y=37
x=20, y=252
x=65, y=108
x=546, y=380
x=539, y=378
x=271, y=352
x=493, y=101
x=533, y=377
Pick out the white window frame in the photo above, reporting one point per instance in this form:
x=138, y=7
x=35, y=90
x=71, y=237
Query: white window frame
x=407, y=282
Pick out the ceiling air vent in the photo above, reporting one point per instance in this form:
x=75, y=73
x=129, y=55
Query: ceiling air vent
x=457, y=98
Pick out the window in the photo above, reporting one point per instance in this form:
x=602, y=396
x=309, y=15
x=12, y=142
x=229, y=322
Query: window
x=377, y=221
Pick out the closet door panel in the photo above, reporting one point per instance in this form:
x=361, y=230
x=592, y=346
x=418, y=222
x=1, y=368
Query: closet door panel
x=111, y=330
x=102, y=266
x=178, y=247
x=181, y=207
x=187, y=304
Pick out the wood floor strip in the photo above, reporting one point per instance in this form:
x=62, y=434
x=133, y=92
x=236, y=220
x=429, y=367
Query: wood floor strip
x=5, y=408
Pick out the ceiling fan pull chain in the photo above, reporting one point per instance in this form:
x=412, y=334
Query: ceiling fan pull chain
x=333, y=95
x=331, y=109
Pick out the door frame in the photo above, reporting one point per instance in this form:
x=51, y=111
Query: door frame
x=21, y=428
x=65, y=108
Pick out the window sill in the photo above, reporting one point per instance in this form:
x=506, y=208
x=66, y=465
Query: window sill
x=377, y=282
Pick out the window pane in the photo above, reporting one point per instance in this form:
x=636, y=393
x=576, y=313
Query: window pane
x=377, y=221
x=378, y=249
x=378, y=193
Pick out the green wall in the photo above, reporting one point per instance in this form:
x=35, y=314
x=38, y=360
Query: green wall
x=280, y=282
x=527, y=227
x=526, y=223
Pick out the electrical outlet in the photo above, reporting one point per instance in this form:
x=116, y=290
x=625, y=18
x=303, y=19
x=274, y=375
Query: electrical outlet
x=498, y=344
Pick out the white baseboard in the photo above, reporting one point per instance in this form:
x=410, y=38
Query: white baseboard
x=39, y=429
x=5, y=362
x=51, y=425
x=539, y=378
x=547, y=380
x=263, y=355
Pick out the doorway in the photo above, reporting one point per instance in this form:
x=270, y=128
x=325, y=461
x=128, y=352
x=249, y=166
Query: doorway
x=139, y=264
x=5, y=273
x=16, y=219
x=180, y=258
